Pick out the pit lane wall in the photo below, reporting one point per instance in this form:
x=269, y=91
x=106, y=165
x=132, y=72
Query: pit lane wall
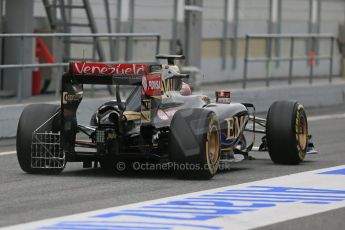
x=316, y=95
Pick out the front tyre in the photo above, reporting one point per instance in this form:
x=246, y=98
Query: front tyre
x=195, y=143
x=287, y=132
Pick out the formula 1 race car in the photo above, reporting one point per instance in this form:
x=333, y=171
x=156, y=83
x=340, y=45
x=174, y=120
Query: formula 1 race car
x=154, y=122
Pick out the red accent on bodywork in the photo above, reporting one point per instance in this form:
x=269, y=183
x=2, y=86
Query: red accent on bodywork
x=224, y=93
x=185, y=90
x=92, y=68
x=151, y=84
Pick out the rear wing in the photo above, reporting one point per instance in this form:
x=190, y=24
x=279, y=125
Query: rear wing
x=149, y=76
x=111, y=74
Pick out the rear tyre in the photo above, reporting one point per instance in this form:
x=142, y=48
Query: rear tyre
x=287, y=132
x=195, y=143
x=31, y=118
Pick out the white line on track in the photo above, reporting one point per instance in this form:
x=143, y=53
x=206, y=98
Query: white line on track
x=7, y=153
x=326, y=117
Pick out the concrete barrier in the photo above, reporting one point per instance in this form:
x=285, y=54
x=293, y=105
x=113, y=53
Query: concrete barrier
x=317, y=95
x=310, y=96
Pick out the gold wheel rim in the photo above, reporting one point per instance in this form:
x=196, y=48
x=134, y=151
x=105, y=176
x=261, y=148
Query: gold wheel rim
x=213, y=145
x=302, y=132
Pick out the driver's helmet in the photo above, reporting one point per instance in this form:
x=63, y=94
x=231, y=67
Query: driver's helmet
x=170, y=84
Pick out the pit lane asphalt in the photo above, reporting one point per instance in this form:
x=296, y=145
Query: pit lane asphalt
x=25, y=198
